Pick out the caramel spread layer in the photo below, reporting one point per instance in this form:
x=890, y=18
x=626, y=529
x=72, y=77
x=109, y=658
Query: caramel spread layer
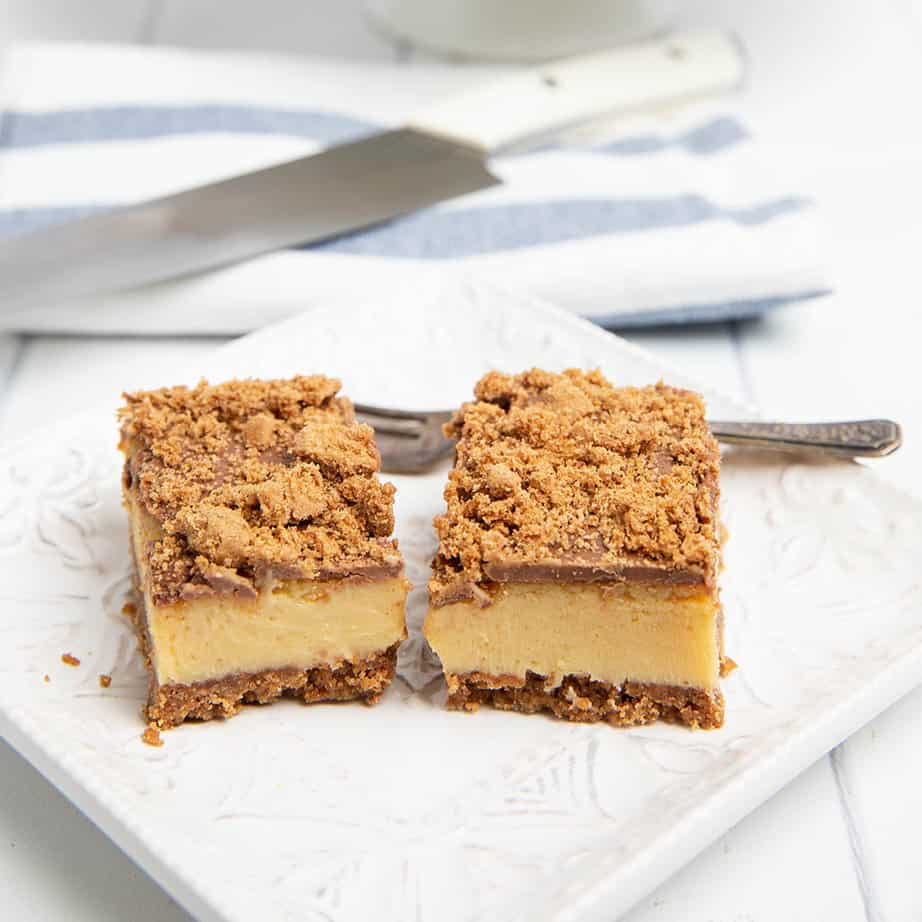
x=254, y=481
x=562, y=476
x=664, y=635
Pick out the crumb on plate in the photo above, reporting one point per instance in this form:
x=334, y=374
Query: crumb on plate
x=151, y=736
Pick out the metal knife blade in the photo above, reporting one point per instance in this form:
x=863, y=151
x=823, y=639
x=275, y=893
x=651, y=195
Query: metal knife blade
x=341, y=189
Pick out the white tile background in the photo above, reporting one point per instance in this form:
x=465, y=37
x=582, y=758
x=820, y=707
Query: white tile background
x=845, y=78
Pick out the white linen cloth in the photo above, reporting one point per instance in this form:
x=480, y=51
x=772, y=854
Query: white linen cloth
x=680, y=215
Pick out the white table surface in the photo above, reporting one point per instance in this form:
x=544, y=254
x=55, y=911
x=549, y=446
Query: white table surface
x=839, y=842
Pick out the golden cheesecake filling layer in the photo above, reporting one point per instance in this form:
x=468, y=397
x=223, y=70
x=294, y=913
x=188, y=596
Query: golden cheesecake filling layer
x=663, y=635
x=291, y=623
x=296, y=623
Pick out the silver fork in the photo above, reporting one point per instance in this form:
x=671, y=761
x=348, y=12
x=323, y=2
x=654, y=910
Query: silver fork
x=411, y=442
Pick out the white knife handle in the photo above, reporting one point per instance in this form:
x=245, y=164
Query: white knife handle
x=635, y=77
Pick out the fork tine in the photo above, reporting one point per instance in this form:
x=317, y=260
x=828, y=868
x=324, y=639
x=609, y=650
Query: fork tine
x=391, y=445
x=427, y=417
x=364, y=409
x=403, y=428
x=399, y=456
x=409, y=442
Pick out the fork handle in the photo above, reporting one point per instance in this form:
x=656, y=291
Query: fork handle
x=863, y=438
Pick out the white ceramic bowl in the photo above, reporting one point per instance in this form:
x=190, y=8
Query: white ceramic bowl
x=517, y=30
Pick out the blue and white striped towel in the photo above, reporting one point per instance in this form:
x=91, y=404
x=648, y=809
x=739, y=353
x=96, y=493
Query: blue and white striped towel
x=679, y=216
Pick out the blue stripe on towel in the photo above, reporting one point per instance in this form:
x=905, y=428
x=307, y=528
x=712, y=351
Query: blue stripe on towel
x=140, y=123
x=708, y=138
x=446, y=234
x=451, y=234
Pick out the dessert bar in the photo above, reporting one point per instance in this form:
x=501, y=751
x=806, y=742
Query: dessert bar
x=579, y=553
x=261, y=539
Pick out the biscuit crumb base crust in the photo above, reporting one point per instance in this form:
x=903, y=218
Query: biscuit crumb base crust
x=366, y=679
x=580, y=699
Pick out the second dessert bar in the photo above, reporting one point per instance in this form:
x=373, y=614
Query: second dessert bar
x=579, y=552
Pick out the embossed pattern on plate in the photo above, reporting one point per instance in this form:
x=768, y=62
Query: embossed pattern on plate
x=340, y=812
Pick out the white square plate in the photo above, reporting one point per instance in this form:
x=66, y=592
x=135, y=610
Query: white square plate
x=404, y=810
